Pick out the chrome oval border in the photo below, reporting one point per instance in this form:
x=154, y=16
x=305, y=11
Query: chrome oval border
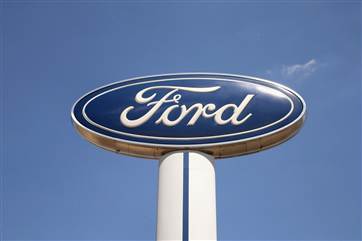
x=161, y=149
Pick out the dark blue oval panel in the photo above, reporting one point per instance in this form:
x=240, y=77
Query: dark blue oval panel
x=183, y=110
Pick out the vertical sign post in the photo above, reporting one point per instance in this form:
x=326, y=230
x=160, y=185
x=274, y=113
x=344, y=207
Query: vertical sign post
x=186, y=121
x=186, y=197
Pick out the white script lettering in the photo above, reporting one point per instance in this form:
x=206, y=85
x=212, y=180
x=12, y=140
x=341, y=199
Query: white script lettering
x=207, y=111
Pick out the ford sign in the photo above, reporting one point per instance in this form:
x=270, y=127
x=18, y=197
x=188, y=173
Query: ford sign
x=221, y=114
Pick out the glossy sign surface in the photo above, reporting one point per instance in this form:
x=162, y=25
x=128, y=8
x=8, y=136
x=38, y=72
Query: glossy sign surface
x=187, y=111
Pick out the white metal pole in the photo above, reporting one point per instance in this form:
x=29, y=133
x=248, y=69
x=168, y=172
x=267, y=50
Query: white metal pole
x=186, y=197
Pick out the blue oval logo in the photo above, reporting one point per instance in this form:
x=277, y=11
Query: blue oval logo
x=191, y=111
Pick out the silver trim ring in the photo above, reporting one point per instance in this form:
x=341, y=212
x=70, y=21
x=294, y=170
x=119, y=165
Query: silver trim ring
x=151, y=145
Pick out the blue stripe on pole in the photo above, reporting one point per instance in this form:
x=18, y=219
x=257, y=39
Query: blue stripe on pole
x=185, y=203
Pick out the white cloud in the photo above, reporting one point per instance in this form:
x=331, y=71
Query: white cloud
x=299, y=70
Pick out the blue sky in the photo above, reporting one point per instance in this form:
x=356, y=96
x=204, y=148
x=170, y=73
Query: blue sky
x=57, y=186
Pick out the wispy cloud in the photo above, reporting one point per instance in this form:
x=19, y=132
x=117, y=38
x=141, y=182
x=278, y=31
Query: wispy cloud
x=299, y=70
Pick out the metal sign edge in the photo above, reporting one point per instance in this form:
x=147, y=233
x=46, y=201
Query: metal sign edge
x=91, y=135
